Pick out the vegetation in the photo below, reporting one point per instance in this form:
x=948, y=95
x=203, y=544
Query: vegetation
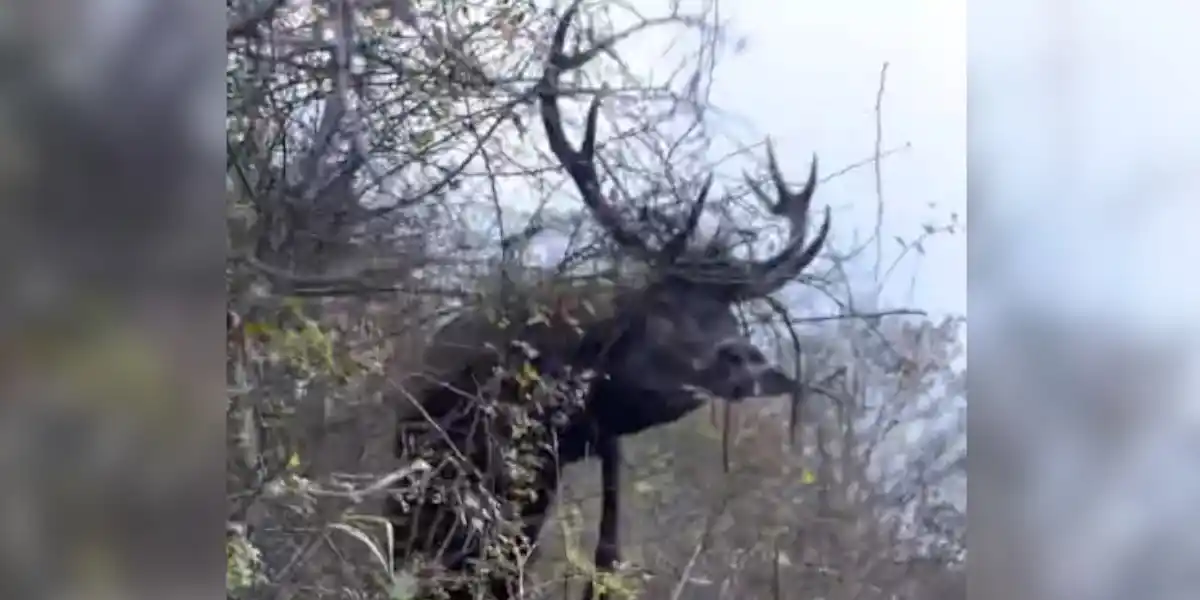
x=383, y=175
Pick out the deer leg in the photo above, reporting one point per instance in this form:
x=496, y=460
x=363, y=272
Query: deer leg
x=608, y=551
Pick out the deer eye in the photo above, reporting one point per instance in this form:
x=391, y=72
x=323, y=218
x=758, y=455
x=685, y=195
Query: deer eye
x=732, y=355
x=739, y=355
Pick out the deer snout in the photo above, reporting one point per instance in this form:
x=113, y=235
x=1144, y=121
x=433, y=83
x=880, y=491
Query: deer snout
x=737, y=370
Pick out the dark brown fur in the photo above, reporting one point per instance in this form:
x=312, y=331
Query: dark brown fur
x=484, y=415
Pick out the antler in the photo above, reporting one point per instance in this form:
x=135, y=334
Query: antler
x=580, y=164
x=762, y=278
x=738, y=279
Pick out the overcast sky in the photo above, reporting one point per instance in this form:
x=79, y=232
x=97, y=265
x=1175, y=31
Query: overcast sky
x=808, y=77
x=1083, y=151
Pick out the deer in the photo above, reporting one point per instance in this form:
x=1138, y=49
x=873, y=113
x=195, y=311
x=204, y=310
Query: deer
x=585, y=378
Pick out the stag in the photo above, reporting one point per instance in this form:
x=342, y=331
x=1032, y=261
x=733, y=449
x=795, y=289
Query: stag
x=584, y=378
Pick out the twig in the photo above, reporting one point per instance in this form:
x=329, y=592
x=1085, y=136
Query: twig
x=380, y=485
x=701, y=544
x=863, y=315
x=879, y=169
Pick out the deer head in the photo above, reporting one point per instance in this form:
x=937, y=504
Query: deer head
x=677, y=339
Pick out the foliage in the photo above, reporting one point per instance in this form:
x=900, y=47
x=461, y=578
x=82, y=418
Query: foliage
x=243, y=564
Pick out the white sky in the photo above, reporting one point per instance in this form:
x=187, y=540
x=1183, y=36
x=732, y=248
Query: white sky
x=808, y=78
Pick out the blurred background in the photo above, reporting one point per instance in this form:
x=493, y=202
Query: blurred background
x=1083, y=148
